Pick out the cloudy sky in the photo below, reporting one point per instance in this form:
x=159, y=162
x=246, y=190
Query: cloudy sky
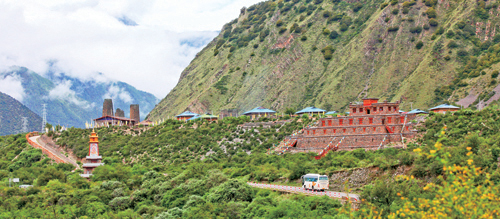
x=144, y=43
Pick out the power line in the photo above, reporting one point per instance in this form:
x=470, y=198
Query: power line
x=44, y=115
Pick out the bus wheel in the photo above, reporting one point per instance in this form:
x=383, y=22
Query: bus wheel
x=313, y=188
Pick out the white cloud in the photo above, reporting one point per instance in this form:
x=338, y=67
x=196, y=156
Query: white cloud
x=115, y=92
x=85, y=37
x=12, y=86
x=63, y=91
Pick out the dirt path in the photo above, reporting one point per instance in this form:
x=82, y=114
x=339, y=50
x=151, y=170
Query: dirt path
x=54, y=151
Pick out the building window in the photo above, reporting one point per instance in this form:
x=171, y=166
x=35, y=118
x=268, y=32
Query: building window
x=360, y=110
x=361, y=121
x=350, y=121
x=395, y=109
x=406, y=128
x=364, y=129
x=388, y=108
x=344, y=130
x=370, y=120
x=324, y=131
x=308, y=132
x=341, y=121
x=354, y=110
x=381, y=109
x=402, y=119
x=389, y=120
x=374, y=109
x=353, y=129
x=322, y=123
x=334, y=131
x=374, y=128
x=329, y=122
x=393, y=129
x=314, y=132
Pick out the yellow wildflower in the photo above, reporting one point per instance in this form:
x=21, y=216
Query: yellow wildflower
x=433, y=151
x=469, y=148
x=417, y=150
x=469, y=161
x=470, y=152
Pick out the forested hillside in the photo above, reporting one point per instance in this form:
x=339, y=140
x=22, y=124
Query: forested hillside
x=327, y=53
x=11, y=116
x=451, y=171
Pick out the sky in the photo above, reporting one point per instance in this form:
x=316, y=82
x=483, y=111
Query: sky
x=143, y=43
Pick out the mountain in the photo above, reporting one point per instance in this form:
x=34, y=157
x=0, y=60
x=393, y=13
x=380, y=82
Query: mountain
x=71, y=101
x=299, y=53
x=11, y=116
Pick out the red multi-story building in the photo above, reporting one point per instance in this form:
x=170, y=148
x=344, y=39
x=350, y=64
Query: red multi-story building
x=368, y=126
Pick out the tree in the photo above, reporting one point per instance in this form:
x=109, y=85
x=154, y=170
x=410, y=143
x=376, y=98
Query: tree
x=419, y=45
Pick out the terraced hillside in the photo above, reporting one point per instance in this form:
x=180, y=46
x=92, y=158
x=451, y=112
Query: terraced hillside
x=297, y=53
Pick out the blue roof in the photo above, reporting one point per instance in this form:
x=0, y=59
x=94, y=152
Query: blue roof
x=187, y=114
x=331, y=112
x=417, y=111
x=194, y=118
x=259, y=110
x=311, y=109
x=444, y=106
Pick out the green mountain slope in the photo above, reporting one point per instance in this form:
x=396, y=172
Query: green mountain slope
x=11, y=114
x=293, y=54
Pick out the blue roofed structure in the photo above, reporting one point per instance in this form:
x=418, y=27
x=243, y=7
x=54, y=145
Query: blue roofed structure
x=417, y=111
x=186, y=115
x=310, y=110
x=259, y=111
x=331, y=112
x=194, y=118
x=443, y=108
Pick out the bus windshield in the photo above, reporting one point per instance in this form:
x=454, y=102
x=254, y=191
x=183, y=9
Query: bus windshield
x=311, y=179
x=323, y=178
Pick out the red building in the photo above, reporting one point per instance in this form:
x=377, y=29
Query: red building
x=93, y=159
x=369, y=125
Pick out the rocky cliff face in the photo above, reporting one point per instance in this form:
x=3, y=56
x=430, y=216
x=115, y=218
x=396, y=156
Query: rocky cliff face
x=298, y=53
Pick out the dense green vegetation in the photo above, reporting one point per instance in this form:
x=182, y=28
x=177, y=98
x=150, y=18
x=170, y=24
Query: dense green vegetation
x=171, y=180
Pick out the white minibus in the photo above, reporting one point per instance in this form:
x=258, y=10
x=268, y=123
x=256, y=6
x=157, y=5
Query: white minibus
x=315, y=182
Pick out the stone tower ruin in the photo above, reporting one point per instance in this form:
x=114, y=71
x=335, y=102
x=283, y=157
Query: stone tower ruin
x=119, y=113
x=107, y=107
x=134, y=112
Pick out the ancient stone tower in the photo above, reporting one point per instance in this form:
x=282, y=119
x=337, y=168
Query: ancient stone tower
x=134, y=112
x=119, y=113
x=107, y=107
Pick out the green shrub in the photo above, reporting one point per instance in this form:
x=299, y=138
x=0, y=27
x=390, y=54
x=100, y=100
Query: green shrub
x=426, y=27
x=406, y=10
x=387, y=19
x=303, y=38
x=431, y=13
x=357, y=6
x=328, y=52
x=494, y=74
x=395, y=11
x=333, y=35
x=216, y=51
x=461, y=24
x=394, y=2
x=462, y=53
x=279, y=23
x=325, y=32
x=417, y=29
x=419, y=45
x=393, y=28
x=383, y=5
x=282, y=30
x=433, y=22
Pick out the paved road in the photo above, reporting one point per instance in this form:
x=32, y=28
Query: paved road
x=54, y=151
x=296, y=189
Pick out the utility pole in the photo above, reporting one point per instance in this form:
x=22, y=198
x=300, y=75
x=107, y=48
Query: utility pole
x=44, y=116
x=25, y=125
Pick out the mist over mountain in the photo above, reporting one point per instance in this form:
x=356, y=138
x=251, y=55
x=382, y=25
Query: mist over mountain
x=72, y=101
